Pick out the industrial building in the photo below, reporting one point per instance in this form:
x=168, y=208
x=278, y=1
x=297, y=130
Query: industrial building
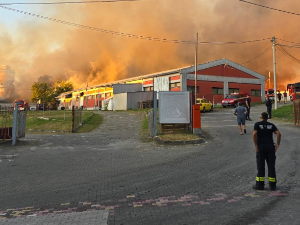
x=214, y=80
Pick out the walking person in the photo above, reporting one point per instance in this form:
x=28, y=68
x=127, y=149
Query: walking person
x=248, y=101
x=240, y=112
x=284, y=96
x=269, y=107
x=265, y=151
x=279, y=96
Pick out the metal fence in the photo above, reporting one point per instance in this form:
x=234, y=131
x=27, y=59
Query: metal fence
x=6, y=123
x=12, y=124
x=76, y=118
x=297, y=112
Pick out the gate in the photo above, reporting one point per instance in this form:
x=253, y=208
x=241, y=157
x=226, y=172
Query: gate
x=296, y=112
x=13, y=124
x=76, y=118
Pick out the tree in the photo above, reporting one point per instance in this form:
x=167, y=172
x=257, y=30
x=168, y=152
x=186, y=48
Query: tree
x=41, y=92
x=45, y=92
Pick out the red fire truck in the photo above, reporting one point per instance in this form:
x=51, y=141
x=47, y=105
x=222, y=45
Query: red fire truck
x=23, y=105
x=294, y=91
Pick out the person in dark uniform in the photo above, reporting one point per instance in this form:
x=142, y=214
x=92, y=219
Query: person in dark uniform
x=265, y=151
x=248, y=101
x=269, y=107
x=279, y=96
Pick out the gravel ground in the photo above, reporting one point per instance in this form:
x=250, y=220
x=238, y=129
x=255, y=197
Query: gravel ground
x=111, y=176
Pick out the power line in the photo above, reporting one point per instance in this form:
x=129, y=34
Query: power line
x=69, y=2
x=100, y=29
x=266, y=50
x=284, y=51
x=234, y=42
x=288, y=41
x=127, y=34
x=267, y=7
x=290, y=46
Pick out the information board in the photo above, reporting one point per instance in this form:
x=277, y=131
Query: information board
x=174, y=107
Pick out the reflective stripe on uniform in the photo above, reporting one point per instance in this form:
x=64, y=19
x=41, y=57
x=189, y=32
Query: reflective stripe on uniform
x=261, y=179
x=272, y=179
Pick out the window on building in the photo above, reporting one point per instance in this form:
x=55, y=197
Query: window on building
x=175, y=85
x=256, y=93
x=217, y=91
x=150, y=88
x=192, y=88
x=233, y=90
x=107, y=94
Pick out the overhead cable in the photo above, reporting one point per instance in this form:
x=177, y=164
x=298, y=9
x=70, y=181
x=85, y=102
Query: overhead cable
x=267, y=7
x=266, y=50
x=288, y=41
x=127, y=34
x=289, y=46
x=100, y=29
x=284, y=51
x=68, y=2
x=233, y=42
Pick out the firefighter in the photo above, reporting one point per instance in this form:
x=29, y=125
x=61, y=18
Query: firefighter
x=265, y=151
x=269, y=107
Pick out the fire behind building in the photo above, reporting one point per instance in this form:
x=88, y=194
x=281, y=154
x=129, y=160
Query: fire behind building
x=7, y=87
x=214, y=80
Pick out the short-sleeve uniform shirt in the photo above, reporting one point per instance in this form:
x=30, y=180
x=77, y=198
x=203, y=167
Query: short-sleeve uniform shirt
x=265, y=132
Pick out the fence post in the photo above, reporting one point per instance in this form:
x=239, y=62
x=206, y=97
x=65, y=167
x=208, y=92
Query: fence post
x=15, y=126
x=73, y=118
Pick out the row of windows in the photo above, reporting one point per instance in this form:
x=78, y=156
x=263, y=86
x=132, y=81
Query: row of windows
x=90, y=97
x=215, y=90
x=172, y=85
x=220, y=91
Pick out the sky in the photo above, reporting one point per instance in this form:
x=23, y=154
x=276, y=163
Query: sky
x=34, y=46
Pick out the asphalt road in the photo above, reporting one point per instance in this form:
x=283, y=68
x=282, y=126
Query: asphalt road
x=110, y=177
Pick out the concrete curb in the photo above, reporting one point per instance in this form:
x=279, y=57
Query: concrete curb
x=163, y=142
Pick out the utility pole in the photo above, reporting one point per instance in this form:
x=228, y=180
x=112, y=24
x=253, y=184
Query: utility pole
x=86, y=100
x=269, y=79
x=274, y=68
x=196, y=67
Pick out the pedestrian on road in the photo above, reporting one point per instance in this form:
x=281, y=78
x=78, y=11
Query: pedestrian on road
x=284, y=96
x=269, y=107
x=265, y=151
x=240, y=112
x=248, y=101
x=279, y=96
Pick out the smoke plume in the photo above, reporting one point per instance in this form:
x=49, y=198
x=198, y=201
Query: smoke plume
x=41, y=47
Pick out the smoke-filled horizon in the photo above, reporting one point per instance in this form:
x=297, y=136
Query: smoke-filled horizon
x=37, y=47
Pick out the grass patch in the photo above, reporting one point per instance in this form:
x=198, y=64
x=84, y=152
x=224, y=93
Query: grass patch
x=59, y=121
x=179, y=137
x=90, y=123
x=285, y=113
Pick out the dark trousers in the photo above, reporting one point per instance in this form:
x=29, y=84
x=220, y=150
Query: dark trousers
x=269, y=109
x=248, y=113
x=266, y=154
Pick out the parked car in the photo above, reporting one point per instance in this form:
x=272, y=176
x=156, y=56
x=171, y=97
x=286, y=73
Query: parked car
x=32, y=107
x=205, y=105
x=233, y=99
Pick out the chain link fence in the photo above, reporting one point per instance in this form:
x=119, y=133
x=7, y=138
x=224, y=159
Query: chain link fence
x=297, y=112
